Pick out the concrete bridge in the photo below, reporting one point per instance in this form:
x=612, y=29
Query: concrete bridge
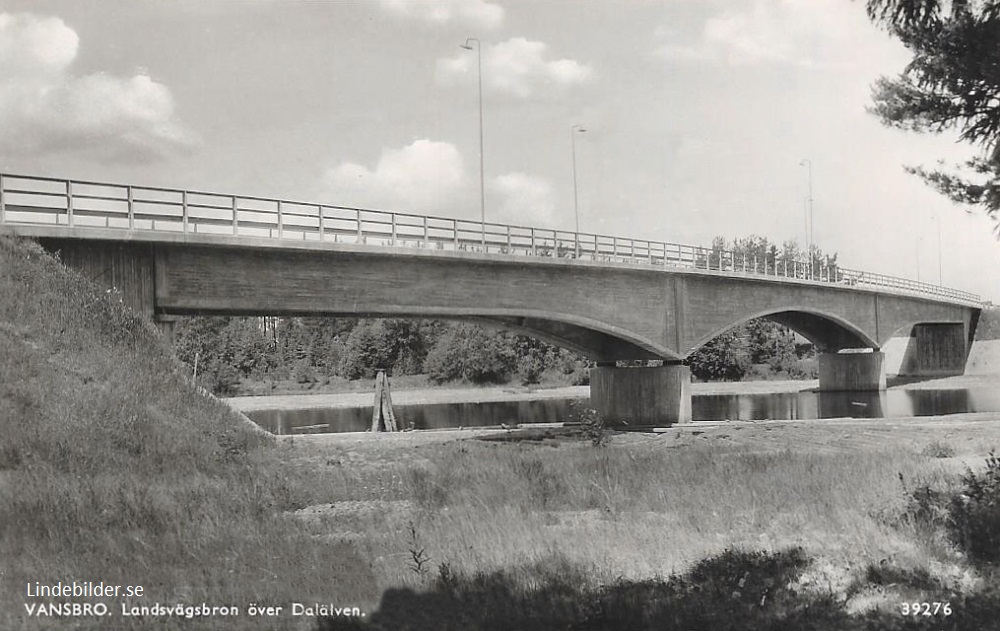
x=174, y=253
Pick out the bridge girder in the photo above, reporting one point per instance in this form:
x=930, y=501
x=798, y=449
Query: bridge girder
x=606, y=312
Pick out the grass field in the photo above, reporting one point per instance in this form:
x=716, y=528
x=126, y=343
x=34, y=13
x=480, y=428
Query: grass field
x=113, y=468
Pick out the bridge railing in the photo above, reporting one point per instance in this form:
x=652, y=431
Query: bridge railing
x=82, y=204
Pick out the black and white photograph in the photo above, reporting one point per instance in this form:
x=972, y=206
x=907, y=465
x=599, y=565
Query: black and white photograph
x=500, y=315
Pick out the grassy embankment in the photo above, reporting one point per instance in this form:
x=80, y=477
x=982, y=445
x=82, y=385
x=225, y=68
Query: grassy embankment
x=113, y=468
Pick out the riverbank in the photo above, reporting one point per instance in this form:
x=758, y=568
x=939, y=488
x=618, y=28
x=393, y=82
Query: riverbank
x=652, y=504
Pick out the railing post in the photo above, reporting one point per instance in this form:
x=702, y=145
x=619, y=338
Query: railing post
x=427, y=236
x=3, y=207
x=454, y=230
x=281, y=227
x=236, y=216
x=319, y=212
x=508, y=239
x=576, y=239
x=184, y=212
x=392, y=237
x=361, y=235
x=534, y=252
x=69, y=202
x=131, y=207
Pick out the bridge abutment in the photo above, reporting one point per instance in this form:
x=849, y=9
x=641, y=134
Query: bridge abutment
x=930, y=350
x=852, y=371
x=653, y=395
x=122, y=267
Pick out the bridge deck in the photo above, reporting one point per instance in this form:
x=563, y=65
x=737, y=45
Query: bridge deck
x=92, y=209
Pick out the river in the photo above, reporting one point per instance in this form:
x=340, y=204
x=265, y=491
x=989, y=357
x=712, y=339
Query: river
x=803, y=404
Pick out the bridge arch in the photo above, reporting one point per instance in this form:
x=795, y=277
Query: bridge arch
x=829, y=332
x=588, y=337
x=592, y=339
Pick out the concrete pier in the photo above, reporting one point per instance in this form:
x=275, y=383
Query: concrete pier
x=852, y=371
x=656, y=395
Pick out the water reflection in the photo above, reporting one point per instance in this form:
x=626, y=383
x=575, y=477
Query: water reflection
x=433, y=416
x=789, y=405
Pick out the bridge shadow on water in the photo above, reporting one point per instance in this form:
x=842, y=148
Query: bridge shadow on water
x=736, y=590
x=905, y=380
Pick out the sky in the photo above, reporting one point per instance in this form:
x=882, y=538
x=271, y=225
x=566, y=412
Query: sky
x=702, y=117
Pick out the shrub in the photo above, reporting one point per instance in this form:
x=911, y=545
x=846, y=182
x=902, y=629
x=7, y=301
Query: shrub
x=927, y=511
x=975, y=514
x=469, y=353
x=382, y=344
x=938, y=449
x=529, y=369
x=591, y=422
x=218, y=378
x=725, y=358
x=303, y=372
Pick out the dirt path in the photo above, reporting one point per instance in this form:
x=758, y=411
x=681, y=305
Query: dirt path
x=968, y=438
x=422, y=396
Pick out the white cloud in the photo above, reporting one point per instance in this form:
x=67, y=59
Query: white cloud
x=794, y=32
x=517, y=67
x=474, y=13
x=426, y=177
x=524, y=200
x=45, y=108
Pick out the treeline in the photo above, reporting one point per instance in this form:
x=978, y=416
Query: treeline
x=760, y=255
x=227, y=350
x=755, y=351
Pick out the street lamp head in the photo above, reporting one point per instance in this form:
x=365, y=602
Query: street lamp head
x=468, y=43
x=465, y=46
x=578, y=128
x=804, y=162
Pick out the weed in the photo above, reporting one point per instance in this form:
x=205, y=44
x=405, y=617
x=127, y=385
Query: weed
x=591, y=422
x=938, y=449
x=418, y=554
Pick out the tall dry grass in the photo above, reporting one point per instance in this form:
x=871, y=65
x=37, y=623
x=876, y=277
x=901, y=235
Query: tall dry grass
x=628, y=510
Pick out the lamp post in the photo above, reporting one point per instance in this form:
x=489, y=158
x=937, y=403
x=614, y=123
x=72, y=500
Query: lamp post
x=482, y=172
x=573, y=131
x=806, y=162
x=937, y=220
